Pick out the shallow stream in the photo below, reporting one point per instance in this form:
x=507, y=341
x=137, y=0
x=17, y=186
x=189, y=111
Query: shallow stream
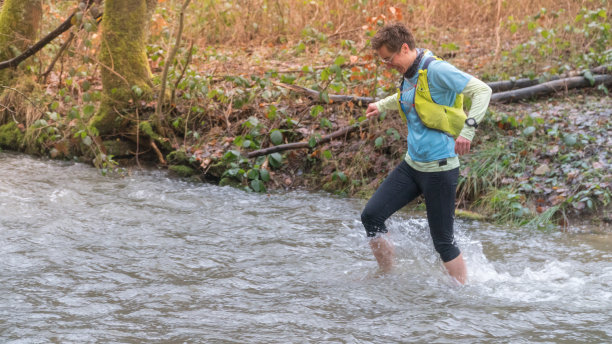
x=146, y=258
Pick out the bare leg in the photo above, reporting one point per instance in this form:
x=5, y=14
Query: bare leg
x=384, y=252
x=456, y=268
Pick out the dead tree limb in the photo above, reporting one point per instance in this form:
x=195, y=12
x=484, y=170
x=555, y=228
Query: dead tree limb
x=333, y=98
x=506, y=85
x=295, y=145
x=65, y=26
x=551, y=87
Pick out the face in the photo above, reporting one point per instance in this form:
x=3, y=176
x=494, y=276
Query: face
x=399, y=60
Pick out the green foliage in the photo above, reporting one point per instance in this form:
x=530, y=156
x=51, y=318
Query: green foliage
x=556, y=43
x=10, y=136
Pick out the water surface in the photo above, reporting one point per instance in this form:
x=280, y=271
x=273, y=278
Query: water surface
x=150, y=259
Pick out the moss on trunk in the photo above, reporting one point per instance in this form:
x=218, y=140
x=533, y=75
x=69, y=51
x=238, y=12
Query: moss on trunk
x=19, y=24
x=123, y=54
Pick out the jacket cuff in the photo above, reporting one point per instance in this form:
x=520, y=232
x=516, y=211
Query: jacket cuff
x=468, y=132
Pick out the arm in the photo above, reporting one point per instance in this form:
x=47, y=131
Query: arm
x=480, y=93
x=389, y=103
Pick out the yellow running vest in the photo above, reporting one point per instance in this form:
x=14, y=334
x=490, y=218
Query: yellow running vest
x=449, y=119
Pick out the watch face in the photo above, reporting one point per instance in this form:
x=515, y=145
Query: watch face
x=471, y=122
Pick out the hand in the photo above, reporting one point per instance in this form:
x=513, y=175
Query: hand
x=372, y=110
x=462, y=145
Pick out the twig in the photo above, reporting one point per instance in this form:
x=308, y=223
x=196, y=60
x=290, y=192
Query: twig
x=160, y=156
x=297, y=145
x=187, y=62
x=316, y=96
x=65, y=26
x=23, y=95
x=169, y=59
x=345, y=65
x=343, y=32
x=104, y=65
x=57, y=56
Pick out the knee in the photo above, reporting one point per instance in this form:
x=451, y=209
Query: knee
x=367, y=216
x=372, y=222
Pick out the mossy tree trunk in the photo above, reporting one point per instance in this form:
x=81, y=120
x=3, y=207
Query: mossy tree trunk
x=19, y=25
x=125, y=73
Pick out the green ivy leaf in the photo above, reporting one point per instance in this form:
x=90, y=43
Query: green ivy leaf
x=137, y=90
x=264, y=174
x=88, y=110
x=589, y=76
x=529, y=130
x=569, y=140
x=378, y=142
x=231, y=155
x=324, y=97
x=253, y=173
x=275, y=159
x=276, y=137
x=87, y=140
x=326, y=123
x=312, y=142
x=339, y=175
x=316, y=110
x=258, y=186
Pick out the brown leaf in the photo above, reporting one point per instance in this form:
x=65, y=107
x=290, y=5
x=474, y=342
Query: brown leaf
x=542, y=170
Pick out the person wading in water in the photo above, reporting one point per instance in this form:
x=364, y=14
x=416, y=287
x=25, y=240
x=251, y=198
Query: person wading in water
x=430, y=98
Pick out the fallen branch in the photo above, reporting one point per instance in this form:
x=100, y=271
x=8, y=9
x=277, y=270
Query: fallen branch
x=506, y=85
x=65, y=26
x=295, y=145
x=550, y=87
x=316, y=95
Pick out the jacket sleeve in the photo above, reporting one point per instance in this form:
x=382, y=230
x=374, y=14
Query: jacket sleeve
x=388, y=103
x=480, y=93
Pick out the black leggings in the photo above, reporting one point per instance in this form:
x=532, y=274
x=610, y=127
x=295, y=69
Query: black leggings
x=403, y=185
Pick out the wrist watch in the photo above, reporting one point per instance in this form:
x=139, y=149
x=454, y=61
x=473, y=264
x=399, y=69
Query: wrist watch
x=470, y=122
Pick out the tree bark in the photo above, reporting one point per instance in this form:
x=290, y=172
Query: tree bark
x=125, y=66
x=19, y=24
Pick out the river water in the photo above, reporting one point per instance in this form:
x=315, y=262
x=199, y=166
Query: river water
x=145, y=258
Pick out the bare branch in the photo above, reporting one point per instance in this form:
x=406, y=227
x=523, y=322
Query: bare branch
x=65, y=26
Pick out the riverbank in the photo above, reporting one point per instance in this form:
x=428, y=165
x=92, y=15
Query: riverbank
x=543, y=163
